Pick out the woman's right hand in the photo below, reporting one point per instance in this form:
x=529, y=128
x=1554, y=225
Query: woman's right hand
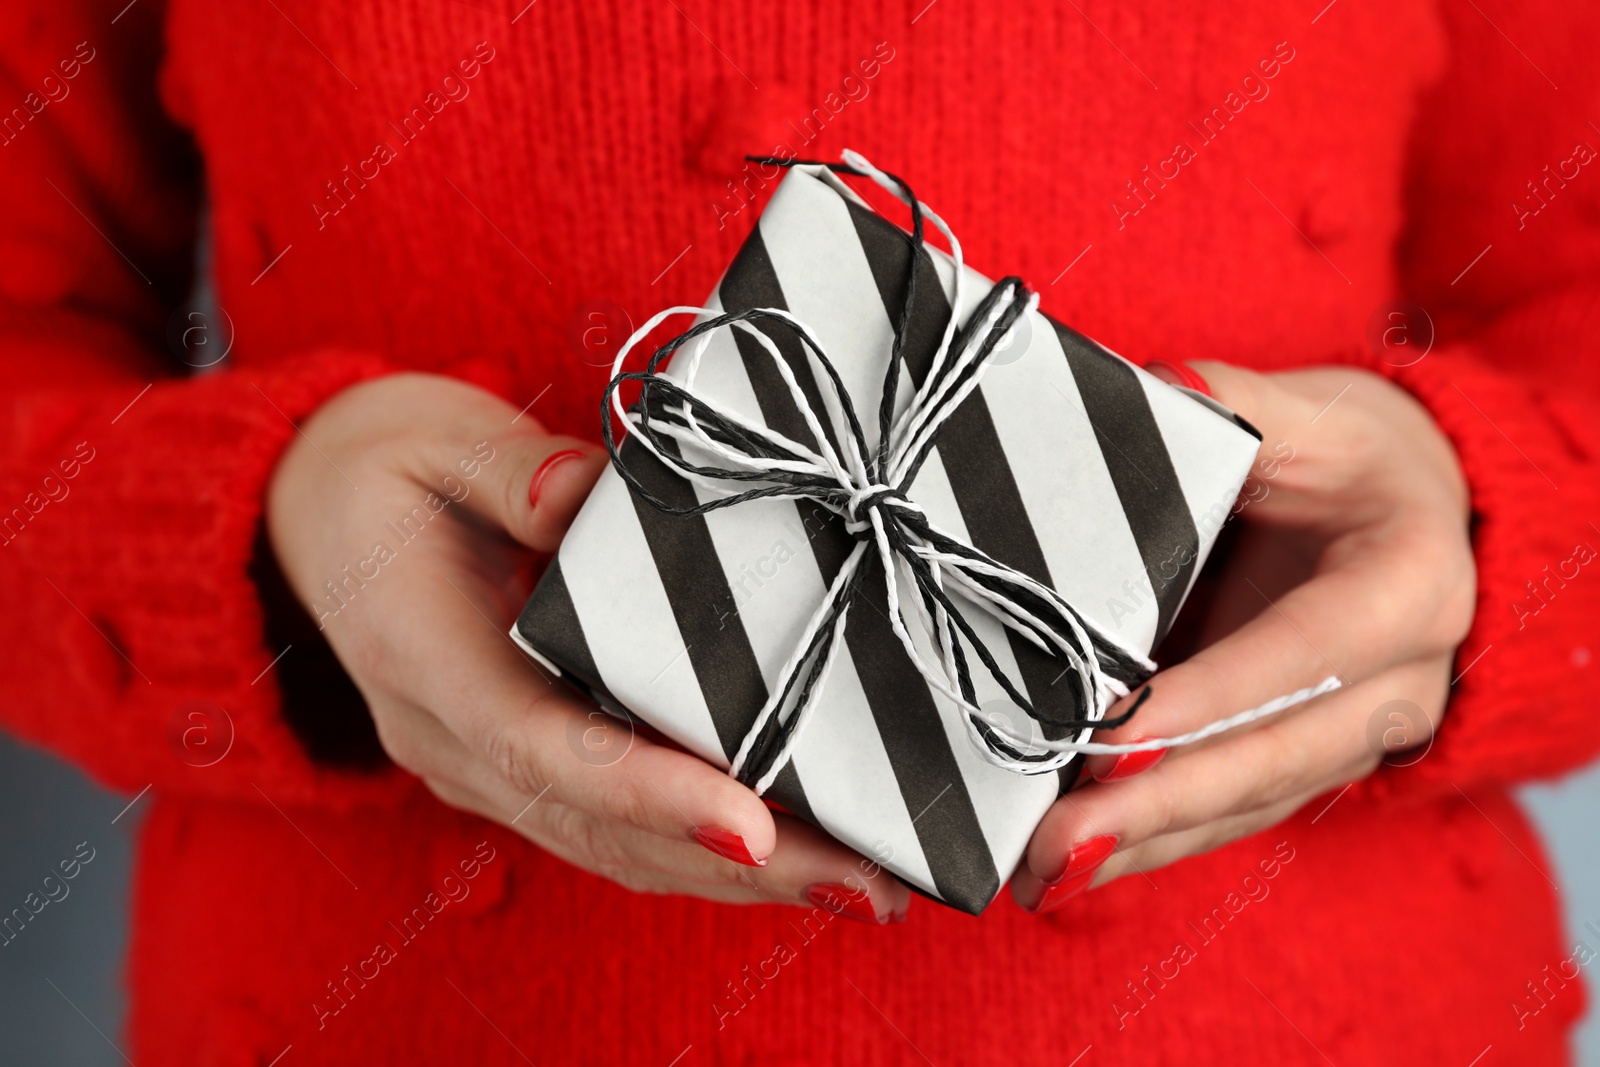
x=405, y=516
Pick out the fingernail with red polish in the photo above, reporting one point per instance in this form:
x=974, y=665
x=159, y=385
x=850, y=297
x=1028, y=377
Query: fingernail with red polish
x=1178, y=374
x=1131, y=763
x=1063, y=891
x=726, y=844
x=1086, y=858
x=550, y=464
x=840, y=900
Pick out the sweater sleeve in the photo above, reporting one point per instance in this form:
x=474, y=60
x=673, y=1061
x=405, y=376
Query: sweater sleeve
x=133, y=632
x=1502, y=249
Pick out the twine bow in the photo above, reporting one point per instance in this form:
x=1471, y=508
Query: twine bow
x=924, y=567
x=869, y=489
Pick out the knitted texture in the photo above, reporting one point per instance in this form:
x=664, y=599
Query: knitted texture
x=456, y=187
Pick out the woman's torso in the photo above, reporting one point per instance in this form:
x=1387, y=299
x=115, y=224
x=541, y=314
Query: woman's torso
x=1142, y=170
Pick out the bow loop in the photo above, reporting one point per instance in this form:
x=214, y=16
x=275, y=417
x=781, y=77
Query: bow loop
x=932, y=579
x=934, y=582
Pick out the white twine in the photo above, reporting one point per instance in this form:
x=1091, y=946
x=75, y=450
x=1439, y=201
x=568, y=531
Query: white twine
x=910, y=433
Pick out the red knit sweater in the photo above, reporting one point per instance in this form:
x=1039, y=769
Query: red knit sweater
x=442, y=186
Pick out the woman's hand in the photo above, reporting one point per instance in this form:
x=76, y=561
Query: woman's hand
x=403, y=517
x=1354, y=561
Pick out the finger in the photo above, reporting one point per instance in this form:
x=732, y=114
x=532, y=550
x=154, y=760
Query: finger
x=812, y=868
x=611, y=850
x=1038, y=897
x=498, y=463
x=1329, y=438
x=806, y=868
x=545, y=744
x=1163, y=851
x=1328, y=745
x=528, y=483
x=461, y=779
x=1309, y=459
x=1261, y=399
x=1351, y=622
x=535, y=734
x=462, y=445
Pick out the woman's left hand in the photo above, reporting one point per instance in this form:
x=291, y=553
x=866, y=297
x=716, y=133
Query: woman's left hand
x=1355, y=562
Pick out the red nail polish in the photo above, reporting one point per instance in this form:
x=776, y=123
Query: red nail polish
x=1131, y=763
x=544, y=470
x=726, y=844
x=1063, y=891
x=1182, y=373
x=840, y=900
x=1086, y=858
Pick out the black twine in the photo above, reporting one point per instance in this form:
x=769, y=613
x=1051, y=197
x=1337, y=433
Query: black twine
x=663, y=402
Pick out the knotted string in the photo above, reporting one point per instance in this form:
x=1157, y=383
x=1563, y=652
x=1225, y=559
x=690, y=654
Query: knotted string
x=923, y=566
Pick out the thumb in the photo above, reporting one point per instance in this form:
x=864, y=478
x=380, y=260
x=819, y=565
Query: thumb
x=1301, y=405
x=535, y=484
x=1253, y=396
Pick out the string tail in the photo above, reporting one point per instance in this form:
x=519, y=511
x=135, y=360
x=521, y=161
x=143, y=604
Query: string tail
x=1271, y=707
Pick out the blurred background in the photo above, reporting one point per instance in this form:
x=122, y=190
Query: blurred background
x=61, y=997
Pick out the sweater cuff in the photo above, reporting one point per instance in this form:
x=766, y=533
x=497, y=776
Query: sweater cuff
x=141, y=585
x=1523, y=680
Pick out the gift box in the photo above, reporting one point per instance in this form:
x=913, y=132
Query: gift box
x=1066, y=463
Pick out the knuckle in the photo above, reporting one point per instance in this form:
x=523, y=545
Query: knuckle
x=401, y=745
x=725, y=873
x=393, y=742
x=449, y=794
x=1206, y=674
x=1365, y=439
x=515, y=760
x=634, y=879
x=1284, y=772
x=630, y=801
x=1446, y=601
x=591, y=839
x=366, y=653
x=1166, y=814
x=513, y=487
x=1460, y=600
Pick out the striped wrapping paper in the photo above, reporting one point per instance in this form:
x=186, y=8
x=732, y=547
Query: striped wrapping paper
x=1068, y=464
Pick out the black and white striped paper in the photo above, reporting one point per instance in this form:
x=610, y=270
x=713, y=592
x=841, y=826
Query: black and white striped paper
x=1068, y=464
